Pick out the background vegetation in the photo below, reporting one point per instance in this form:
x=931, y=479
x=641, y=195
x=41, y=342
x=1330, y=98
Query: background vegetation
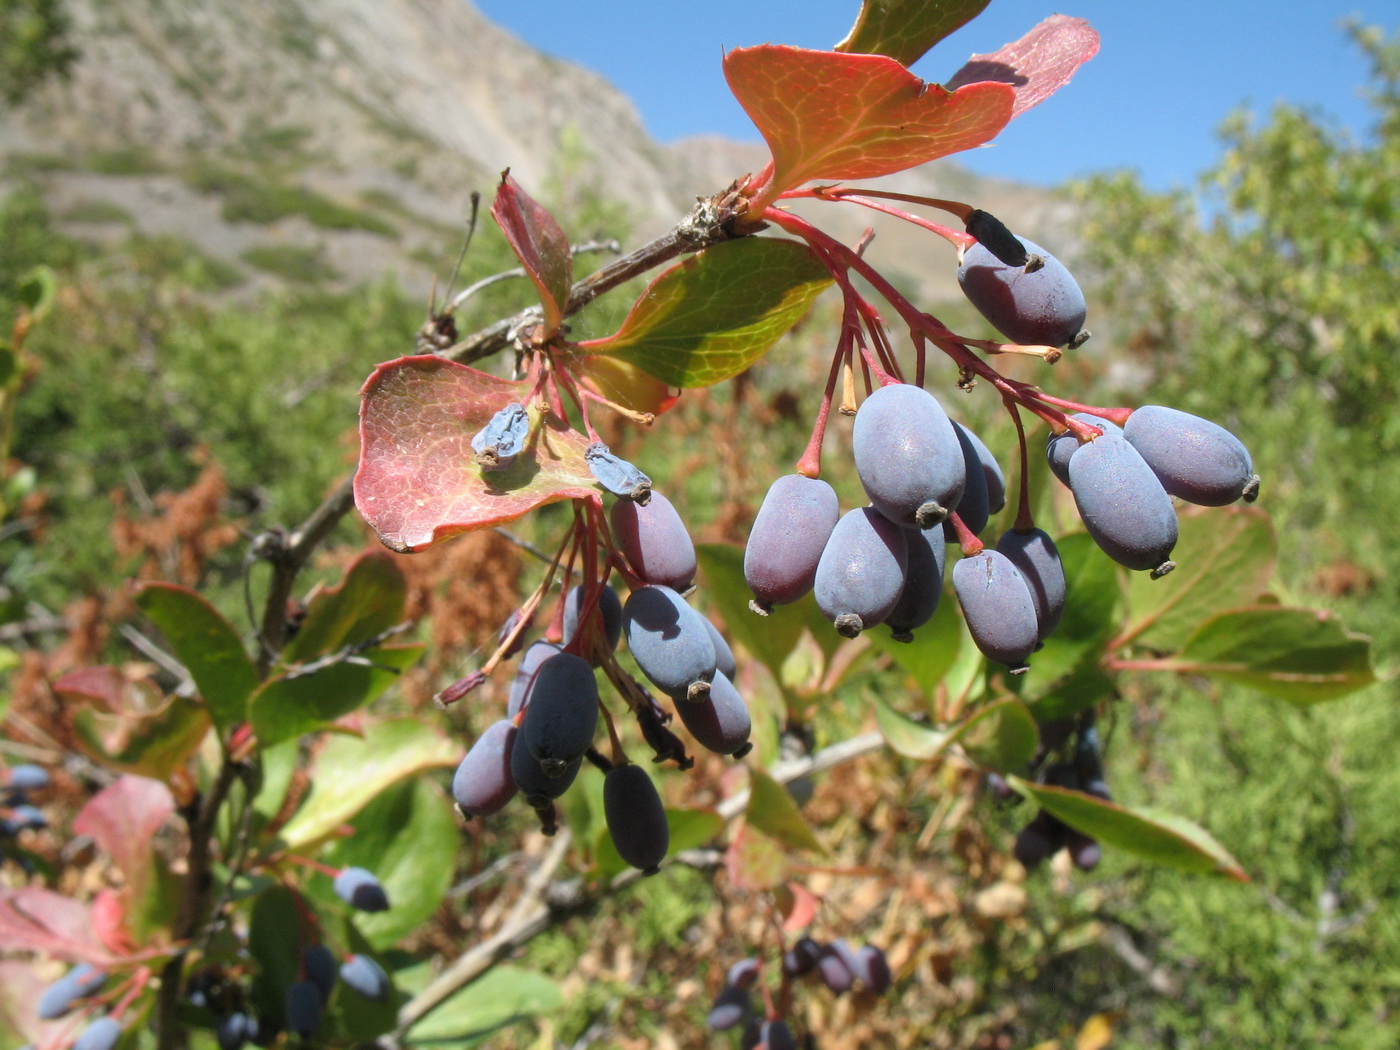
x=172, y=413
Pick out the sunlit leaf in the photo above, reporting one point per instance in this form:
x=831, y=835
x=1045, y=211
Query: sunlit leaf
x=1170, y=841
x=1001, y=735
x=1224, y=556
x=418, y=480
x=1300, y=655
x=714, y=314
x=503, y=995
x=772, y=811
x=625, y=384
x=1037, y=65
x=934, y=650
x=368, y=601
x=408, y=837
x=905, y=29
x=299, y=702
x=348, y=772
x=208, y=647
x=832, y=116
x=540, y=245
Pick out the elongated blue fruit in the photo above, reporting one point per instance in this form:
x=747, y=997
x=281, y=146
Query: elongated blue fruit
x=669, y=641
x=720, y=721
x=498, y=443
x=776, y=1035
x=655, y=542
x=974, y=508
x=908, y=455
x=636, y=818
x=103, y=1034
x=793, y=524
x=562, y=716
x=537, y=787
x=998, y=607
x=233, y=1031
x=1195, y=459
x=724, y=656
x=873, y=968
x=482, y=784
x=28, y=777
x=319, y=967
x=991, y=472
x=608, y=611
x=305, y=1008
x=1123, y=505
x=730, y=1008
x=78, y=983
x=360, y=889
x=529, y=666
x=923, y=582
x=1032, y=305
x=365, y=976
x=1036, y=555
x=616, y=475
x=861, y=572
x=1059, y=447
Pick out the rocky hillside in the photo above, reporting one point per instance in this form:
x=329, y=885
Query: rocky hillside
x=292, y=138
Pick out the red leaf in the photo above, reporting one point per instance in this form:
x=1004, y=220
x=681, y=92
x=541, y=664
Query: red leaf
x=39, y=920
x=1038, y=64
x=833, y=116
x=109, y=922
x=539, y=244
x=803, y=908
x=418, y=481
x=123, y=819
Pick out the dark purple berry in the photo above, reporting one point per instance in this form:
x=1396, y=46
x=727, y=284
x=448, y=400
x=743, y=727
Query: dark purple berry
x=361, y=890
x=786, y=541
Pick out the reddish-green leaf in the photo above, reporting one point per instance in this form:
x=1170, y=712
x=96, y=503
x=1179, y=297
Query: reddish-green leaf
x=1037, y=65
x=418, y=481
x=772, y=811
x=905, y=29
x=540, y=245
x=624, y=383
x=1300, y=655
x=348, y=772
x=1224, y=556
x=1173, y=842
x=123, y=819
x=39, y=920
x=832, y=116
x=368, y=601
x=755, y=861
x=128, y=725
x=300, y=702
x=207, y=645
x=711, y=316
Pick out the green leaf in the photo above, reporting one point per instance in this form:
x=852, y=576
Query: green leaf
x=279, y=765
x=503, y=995
x=9, y=364
x=769, y=639
x=934, y=650
x=757, y=862
x=37, y=291
x=773, y=812
x=1170, y=841
x=208, y=647
x=274, y=940
x=1300, y=655
x=366, y=603
x=297, y=702
x=1080, y=690
x=1224, y=556
x=905, y=29
x=1001, y=735
x=689, y=828
x=408, y=837
x=349, y=772
x=713, y=315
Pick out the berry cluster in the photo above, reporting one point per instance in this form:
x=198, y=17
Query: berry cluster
x=554, y=704
x=17, y=811
x=837, y=965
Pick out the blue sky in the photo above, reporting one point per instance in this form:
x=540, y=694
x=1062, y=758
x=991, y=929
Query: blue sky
x=1166, y=75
